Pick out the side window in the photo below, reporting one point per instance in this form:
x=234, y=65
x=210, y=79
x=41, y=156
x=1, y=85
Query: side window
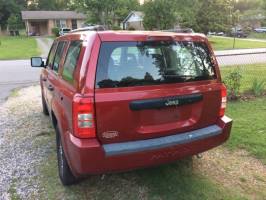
x=50, y=59
x=58, y=55
x=71, y=60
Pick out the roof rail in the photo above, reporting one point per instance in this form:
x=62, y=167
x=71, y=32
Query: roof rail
x=90, y=28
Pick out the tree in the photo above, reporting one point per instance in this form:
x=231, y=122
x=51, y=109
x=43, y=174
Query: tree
x=14, y=22
x=186, y=12
x=159, y=14
x=47, y=4
x=213, y=15
x=245, y=5
x=6, y=9
x=22, y=4
x=124, y=7
x=105, y=12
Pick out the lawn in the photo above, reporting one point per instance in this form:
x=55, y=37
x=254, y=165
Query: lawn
x=248, y=72
x=223, y=43
x=172, y=181
x=21, y=47
x=261, y=36
x=249, y=129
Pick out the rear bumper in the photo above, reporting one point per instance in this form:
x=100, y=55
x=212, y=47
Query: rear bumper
x=90, y=157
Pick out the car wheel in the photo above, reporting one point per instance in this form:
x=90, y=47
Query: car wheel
x=65, y=174
x=44, y=107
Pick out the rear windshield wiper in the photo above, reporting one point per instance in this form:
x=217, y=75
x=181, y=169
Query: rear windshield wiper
x=187, y=78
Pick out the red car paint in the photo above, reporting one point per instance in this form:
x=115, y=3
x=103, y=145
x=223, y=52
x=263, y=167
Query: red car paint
x=113, y=120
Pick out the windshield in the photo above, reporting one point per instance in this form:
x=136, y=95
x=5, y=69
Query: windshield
x=127, y=64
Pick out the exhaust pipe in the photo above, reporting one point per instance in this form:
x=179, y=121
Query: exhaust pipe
x=199, y=156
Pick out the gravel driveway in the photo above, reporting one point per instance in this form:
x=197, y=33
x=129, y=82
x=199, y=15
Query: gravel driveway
x=23, y=141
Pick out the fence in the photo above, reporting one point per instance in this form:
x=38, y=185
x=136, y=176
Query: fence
x=249, y=64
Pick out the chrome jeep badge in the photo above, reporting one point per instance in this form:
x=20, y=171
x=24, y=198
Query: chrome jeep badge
x=172, y=102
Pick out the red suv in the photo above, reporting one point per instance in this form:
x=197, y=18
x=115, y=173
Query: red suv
x=126, y=100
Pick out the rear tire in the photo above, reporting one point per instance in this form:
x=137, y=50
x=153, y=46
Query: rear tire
x=44, y=107
x=65, y=174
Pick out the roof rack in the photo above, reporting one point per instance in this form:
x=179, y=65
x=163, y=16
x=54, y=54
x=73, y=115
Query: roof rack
x=90, y=28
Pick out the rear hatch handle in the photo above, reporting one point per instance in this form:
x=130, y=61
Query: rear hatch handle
x=165, y=102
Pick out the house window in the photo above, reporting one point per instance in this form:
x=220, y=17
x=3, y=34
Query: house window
x=74, y=24
x=60, y=23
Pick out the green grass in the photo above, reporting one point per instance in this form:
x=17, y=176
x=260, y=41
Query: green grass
x=221, y=43
x=13, y=191
x=21, y=47
x=249, y=128
x=249, y=74
x=14, y=92
x=261, y=36
x=173, y=181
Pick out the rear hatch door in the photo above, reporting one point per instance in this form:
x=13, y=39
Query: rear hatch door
x=153, y=89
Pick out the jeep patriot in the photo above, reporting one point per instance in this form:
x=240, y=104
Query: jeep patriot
x=123, y=100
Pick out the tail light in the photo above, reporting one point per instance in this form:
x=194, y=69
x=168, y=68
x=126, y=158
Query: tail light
x=223, y=101
x=83, y=117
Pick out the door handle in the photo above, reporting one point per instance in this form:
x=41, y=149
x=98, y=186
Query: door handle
x=51, y=88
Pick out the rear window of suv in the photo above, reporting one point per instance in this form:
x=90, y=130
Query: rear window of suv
x=128, y=64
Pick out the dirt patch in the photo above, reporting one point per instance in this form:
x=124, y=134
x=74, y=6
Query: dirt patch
x=249, y=95
x=236, y=170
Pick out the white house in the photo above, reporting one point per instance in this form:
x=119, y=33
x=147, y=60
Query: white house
x=133, y=21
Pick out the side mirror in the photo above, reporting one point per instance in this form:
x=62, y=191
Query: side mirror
x=37, y=62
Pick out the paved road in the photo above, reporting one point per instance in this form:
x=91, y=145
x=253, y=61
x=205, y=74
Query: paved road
x=18, y=73
x=241, y=57
x=245, y=39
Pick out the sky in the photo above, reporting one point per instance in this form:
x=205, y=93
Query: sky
x=141, y=1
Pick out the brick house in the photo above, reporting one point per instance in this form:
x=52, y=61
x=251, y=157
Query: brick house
x=42, y=22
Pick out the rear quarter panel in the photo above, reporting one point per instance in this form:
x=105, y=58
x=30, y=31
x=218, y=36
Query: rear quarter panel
x=62, y=102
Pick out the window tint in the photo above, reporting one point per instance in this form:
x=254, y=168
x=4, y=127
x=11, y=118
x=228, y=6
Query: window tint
x=125, y=64
x=71, y=60
x=58, y=55
x=50, y=59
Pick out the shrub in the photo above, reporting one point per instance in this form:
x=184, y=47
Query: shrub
x=258, y=87
x=131, y=28
x=114, y=27
x=55, y=31
x=233, y=83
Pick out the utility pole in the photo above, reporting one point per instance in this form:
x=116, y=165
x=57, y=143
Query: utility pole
x=234, y=44
x=234, y=25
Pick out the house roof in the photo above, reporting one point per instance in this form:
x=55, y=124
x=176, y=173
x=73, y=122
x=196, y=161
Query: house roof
x=141, y=14
x=35, y=15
